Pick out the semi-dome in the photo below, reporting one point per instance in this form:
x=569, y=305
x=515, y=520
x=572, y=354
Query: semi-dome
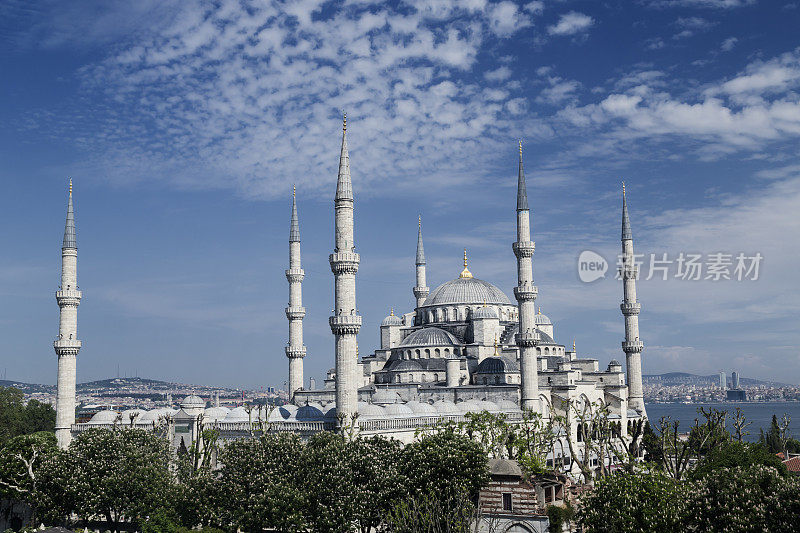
x=370, y=410
x=430, y=337
x=408, y=365
x=466, y=290
x=542, y=320
x=484, y=312
x=106, y=416
x=497, y=365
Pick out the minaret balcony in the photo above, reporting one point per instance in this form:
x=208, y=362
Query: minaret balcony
x=527, y=338
x=344, y=262
x=69, y=297
x=295, y=313
x=421, y=292
x=526, y=293
x=524, y=248
x=67, y=346
x=345, y=324
x=295, y=275
x=630, y=308
x=632, y=346
x=295, y=352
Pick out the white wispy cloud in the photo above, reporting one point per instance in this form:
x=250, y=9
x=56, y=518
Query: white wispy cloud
x=571, y=24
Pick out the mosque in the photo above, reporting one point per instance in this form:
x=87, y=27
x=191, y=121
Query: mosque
x=466, y=347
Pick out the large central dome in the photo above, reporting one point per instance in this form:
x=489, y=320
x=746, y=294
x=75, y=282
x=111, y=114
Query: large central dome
x=466, y=290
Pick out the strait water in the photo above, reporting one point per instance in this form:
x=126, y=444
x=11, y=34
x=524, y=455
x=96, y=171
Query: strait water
x=759, y=413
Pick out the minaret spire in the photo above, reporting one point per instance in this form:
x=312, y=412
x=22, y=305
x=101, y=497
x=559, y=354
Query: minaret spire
x=526, y=292
x=345, y=322
x=421, y=289
x=67, y=344
x=630, y=307
x=295, y=349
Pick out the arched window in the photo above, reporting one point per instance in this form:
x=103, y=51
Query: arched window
x=447, y=351
x=411, y=378
x=437, y=353
x=546, y=350
x=427, y=353
x=538, y=351
x=424, y=378
x=435, y=377
x=416, y=353
x=485, y=381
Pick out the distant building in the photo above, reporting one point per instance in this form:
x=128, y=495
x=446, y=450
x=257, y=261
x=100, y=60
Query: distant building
x=737, y=395
x=734, y=380
x=723, y=381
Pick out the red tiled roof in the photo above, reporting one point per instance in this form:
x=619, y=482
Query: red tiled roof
x=780, y=456
x=793, y=464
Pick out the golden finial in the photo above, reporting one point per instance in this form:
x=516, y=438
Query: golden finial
x=356, y=350
x=573, y=345
x=419, y=221
x=520, y=148
x=540, y=309
x=344, y=122
x=465, y=273
x=495, y=346
x=623, y=188
x=70, y=186
x=294, y=191
x=391, y=311
x=484, y=302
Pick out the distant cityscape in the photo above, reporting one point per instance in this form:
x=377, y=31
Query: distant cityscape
x=682, y=387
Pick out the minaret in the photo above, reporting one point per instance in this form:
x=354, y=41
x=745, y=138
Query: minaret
x=421, y=290
x=630, y=307
x=526, y=293
x=295, y=312
x=67, y=345
x=345, y=321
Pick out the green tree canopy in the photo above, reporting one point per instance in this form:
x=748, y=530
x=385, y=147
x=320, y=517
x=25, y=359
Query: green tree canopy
x=18, y=418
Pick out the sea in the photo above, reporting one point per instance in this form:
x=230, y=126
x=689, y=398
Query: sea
x=759, y=413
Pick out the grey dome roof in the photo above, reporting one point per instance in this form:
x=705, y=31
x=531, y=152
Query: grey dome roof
x=421, y=408
x=237, y=414
x=407, y=366
x=505, y=468
x=497, y=365
x=542, y=320
x=614, y=362
x=398, y=409
x=392, y=320
x=466, y=291
x=193, y=401
x=430, y=337
x=106, y=416
x=385, y=396
x=309, y=413
x=370, y=410
x=446, y=407
x=282, y=413
x=484, y=312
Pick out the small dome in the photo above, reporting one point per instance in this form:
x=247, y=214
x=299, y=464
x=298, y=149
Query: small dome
x=445, y=407
x=392, y=320
x=154, y=416
x=497, y=365
x=505, y=468
x=212, y=414
x=193, y=401
x=237, y=414
x=542, y=320
x=486, y=405
x=312, y=412
x=330, y=412
x=430, y=337
x=419, y=408
x=484, y=312
x=397, y=409
x=466, y=291
x=507, y=405
x=385, y=396
x=370, y=410
x=106, y=416
x=136, y=413
x=408, y=365
x=469, y=406
x=282, y=413
x=614, y=362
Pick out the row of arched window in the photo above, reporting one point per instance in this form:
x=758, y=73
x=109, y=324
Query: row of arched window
x=426, y=353
x=455, y=314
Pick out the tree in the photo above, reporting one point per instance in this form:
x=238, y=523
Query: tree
x=18, y=418
x=651, y=443
x=21, y=461
x=259, y=485
x=444, y=463
x=737, y=454
x=634, y=502
x=121, y=475
x=432, y=513
x=379, y=485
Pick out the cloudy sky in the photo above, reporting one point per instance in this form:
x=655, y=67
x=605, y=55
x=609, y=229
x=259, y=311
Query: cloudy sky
x=185, y=124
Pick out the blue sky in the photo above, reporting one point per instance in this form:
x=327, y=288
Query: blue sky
x=184, y=126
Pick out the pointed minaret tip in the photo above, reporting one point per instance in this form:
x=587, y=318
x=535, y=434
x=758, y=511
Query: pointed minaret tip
x=70, y=240
x=465, y=273
x=627, y=234
x=522, y=191
x=294, y=224
x=420, y=246
x=344, y=121
x=344, y=184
